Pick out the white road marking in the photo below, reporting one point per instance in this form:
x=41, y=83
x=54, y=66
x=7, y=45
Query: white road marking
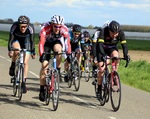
x=110, y=117
x=34, y=74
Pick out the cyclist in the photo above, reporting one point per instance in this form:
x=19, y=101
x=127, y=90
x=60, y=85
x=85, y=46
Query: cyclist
x=54, y=36
x=21, y=36
x=86, y=44
x=75, y=40
x=107, y=42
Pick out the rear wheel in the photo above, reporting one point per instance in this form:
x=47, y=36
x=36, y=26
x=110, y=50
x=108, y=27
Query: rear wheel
x=76, y=75
x=55, y=92
x=115, y=92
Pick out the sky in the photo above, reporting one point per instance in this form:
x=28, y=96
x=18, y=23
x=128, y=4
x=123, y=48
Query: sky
x=83, y=12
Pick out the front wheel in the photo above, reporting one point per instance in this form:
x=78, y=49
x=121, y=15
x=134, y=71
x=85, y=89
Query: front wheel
x=55, y=91
x=76, y=75
x=47, y=91
x=20, y=82
x=115, y=91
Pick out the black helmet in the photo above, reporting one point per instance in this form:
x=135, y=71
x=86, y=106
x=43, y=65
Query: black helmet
x=86, y=34
x=23, y=20
x=76, y=28
x=114, y=26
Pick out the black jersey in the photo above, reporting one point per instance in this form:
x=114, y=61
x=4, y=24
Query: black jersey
x=16, y=34
x=108, y=41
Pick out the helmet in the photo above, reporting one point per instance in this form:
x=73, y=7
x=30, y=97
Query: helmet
x=57, y=19
x=86, y=34
x=114, y=26
x=106, y=24
x=23, y=20
x=76, y=28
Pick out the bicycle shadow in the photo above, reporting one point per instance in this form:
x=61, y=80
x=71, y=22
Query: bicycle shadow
x=9, y=99
x=82, y=100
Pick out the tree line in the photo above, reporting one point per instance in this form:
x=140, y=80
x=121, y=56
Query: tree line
x=130, y=28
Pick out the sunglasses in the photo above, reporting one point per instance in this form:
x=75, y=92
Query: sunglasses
x=23, y=26
x=57, y=26
x=77, y=33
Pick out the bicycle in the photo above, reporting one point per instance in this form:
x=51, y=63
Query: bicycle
x=87, y=65
x=74, y=74
x=18, y=78
x=52, y=82
x=111, y=84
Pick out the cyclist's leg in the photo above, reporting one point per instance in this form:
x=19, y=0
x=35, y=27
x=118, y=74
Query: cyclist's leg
x=58, y=48
x=14, y=57
x=114, y=53
x=27, y=56
x=44, y=65
x=100, y=74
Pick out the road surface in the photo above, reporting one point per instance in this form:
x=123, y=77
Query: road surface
x=73, y=105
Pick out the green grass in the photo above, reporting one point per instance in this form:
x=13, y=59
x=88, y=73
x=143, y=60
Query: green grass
x=135, y=75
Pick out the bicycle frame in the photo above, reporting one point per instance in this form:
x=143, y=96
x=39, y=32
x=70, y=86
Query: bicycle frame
x=19, y=73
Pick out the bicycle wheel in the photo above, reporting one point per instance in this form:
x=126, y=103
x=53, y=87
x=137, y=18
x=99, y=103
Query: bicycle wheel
x=115, y=91
x=55, y=92
x=20, y=82
x=47, y=91
x=69, y=78
x=76, y=75
x=87, y=70
x=14, y=87
x=103, y=98
x=107, y=85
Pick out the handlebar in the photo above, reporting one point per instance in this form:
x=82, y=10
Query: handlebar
x=116, y=58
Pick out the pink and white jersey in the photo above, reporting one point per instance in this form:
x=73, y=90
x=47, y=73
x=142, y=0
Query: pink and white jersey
x=46, y=34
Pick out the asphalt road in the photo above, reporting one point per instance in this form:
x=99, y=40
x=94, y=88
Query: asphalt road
x=73, y=105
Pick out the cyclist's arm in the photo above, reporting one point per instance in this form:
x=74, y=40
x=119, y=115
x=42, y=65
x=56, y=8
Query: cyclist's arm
x=11, y=37
x=123, y=43
x=32, y=39
x=42, y=38
x=100, y=46
x=125, y=48
x=100, y=41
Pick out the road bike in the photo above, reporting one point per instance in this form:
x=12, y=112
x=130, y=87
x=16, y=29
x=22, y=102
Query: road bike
x=18, y=78
x=73, y=73
x=111, y=84
x=52, y=82
x=86, y=73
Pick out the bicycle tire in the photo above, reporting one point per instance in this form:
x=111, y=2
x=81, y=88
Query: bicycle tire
x=69, y=78
x=56, y=91
x=103, y=90
x=76, y=75
x=15, y=77
x=14, y=87
x=20, y=87
x=47, y=92
x=87, y=73
x=107, y=86
x=115, y=90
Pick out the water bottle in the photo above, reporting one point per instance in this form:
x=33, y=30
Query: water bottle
x=104, y=80
x=54, y=60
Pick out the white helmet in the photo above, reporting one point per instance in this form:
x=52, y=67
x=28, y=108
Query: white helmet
x=106, y=24
x=57, y=19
